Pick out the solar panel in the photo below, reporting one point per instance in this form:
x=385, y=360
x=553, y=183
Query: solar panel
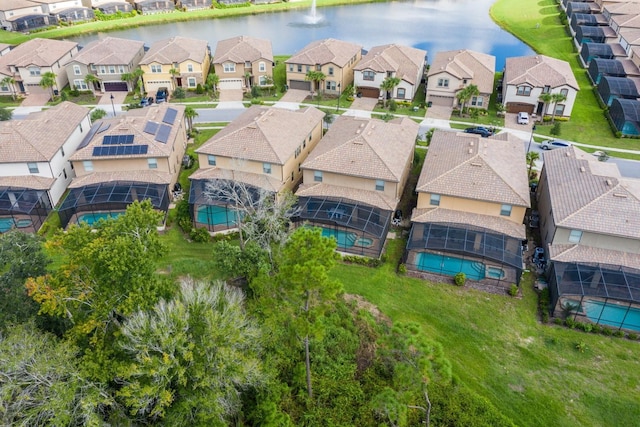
x=170, y=116
x=151, y=128
x=119, y=150
x=104, y=127
x=163, y=133
x=117, y=139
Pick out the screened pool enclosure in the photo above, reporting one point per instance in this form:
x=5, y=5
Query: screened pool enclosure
x=23, y=208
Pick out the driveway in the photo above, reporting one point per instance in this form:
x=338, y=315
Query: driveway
x=364, y=104
x=231, y=95
x=38, y=96
x=439, y=112
x=511, y=122
x=294, y=95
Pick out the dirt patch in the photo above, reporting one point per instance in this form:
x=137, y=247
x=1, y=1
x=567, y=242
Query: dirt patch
x=363, y=304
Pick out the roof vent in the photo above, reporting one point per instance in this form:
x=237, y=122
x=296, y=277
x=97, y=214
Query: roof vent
x=476, y=164
x=357, y=131
x=609, y=183
x=470, y=150
x=582, y=169
x=361, y=125
x=621, y=195
x=471, y=143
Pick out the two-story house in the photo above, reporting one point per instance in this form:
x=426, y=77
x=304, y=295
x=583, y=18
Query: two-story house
x=35, y=169
x=259, y=151
x=243, y=61
x=134, y=156
x=194, y=4
x=24, y=15
x=473, y=193
x=392, y=60
x=109, y=7
x=176, y=62
x=452, y=71
x=108, y=60
x=147, y=7
x=67, y=10
x=353, y=181
x=527, y=77
x=336, y=59
x=27, y=62
x=590, y=228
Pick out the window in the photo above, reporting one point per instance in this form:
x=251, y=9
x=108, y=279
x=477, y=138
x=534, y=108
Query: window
x=564, y=92
x=62, y=151
x=155, y=68
x=299, y=68
x=262, y=67
x=229, y=67
x=112, y=69
x=80, y=84
x=523, y=91
x=262, y=80
x=88, y=165
x=401, y=93
x=477, y=101
x=93, y=67
x=33, y=167
x=34, y=71
x=247, y=64
x=211, y=160
x=103, y=69
x=266, y=168
x=443, y=82
x=575, y=236
x=435, y=200
x=292, y=177
x=190, y=68
x=64, y=172
x=153, y=163
x=121, y=69
x=379, y=185
x=560, y=110
x=4, y=88
x=331, y=85
x=505, y=210
x=191, y=82
x=298, y=151
x=308, y=68
x=368, y=75
x=546, y=89
x=291, y=67
x=331, y=71
x=317, y=176
x=76, y=70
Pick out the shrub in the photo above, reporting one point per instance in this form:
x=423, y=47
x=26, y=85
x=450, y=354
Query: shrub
x=597, y=329
x=256, y=101
x=513, y=290
x=556, y=129
x=587, y=327
x=558, y=321
x=402, y=269
x=74, y=92
x=199, y=89
x=255, y=91
x=185, y=224
x=581, y=346
x=632, y=336
x=97, y=114
x=570, y=323
x=179, y=93
x=607, y=331
x=393, y=105
x=544, y=317
x=200, y=235
x=5, y=114
x=460, y=279
x=618, y=333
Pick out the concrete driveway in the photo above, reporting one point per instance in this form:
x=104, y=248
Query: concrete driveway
x=231, y=95
x=38, y=96
x=511, y=122
x=295, y=96
x=364, y=104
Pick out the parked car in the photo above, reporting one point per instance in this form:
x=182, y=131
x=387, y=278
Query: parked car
x=538, y=255
x=146, y=101
x=479, y=130
x=162, y=95
x=552, y=144
x=523, y=118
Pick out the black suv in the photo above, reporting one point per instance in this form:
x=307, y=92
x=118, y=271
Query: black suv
x=479, y=130
x=162, y=95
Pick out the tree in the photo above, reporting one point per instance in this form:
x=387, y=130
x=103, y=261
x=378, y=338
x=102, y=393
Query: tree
x=92, y=81
x=387, y=87
x=317, y=77
x=556, y=98
x=532, y=156
x=5, y=114
x=133, y=77
x=465, y=95
x=546, y=98
x=10, y=83
x=191, y=357
x=190, y=113
x=48, y=81
x=97, y=114
x=268, y=82
x=174, y=73
x=212, y=83
x=247, y=79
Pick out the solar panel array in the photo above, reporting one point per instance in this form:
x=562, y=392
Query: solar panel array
x=119, y=150
x=117, y=139
x=170, y=116
x=163, y=133
x=151, y=128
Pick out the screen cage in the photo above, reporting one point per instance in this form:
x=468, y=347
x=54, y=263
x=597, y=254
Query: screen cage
x=23, y=208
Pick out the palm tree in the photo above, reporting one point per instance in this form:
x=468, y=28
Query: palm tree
x=532, y=156
x=10, y=82
x=555, y=98
x=93, y=81
x=132, y=78
x=465, y=95
x=174, y=72
x=546, y=99
x=387, y=86
x=317, y=77
x=190, y=113
x=212, y=82
x=247, y=78
x=48, y=81
x=268, y=81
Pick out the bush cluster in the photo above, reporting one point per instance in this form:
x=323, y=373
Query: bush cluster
x=460, y=279
x=369, y=262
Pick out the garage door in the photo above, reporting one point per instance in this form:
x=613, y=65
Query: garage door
x=154, y=85
x=443, y=101
x=230, y=84
x=369, y=92
x=115, y=87
x=516, y=107
x=300, y=84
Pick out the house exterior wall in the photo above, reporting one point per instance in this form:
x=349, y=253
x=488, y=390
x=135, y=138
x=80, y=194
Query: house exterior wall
x=12, y=14
x=334, y=73
x=267, y=70
x=199, y=72
x=154, y=80
x=391, y=189
x=359, y=80
x=510, y=95
x=57, y=68
x=547, y=221
x=597, y=240
x=472, y=206
x=58, y=6
x=449, y=91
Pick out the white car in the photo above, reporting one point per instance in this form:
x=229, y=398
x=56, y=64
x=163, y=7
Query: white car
x=523, y=118
x=554, y=143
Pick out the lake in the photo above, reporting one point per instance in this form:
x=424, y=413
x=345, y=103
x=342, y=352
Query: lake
x=433, y=25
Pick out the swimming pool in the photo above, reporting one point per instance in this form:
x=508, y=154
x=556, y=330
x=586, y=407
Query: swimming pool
x=216, y=215
x=609, y=314
x=450, y=266
x=6, y=224
x=345, y=239
x=93, y=217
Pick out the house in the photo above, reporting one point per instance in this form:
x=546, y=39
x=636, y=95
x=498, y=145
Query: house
x=452, y=71
x=27, y=62
x=67, y=10
x=335, y=59
x=242, y=62
x=260, y=151
x=473, y=193
x=590, y=229
x=134, y=156
x=613, y=9
x=109, y=7
x=176, y=62
x=24, y=15
x=589, y=51
x=618, y=22
x=594, y=34
x=625, y=116
x=611, y=67
x=194, y=4
x=611, y=87
x=392, y=60
x=353, y=181
x=629, y=37
x=108, y=60
x=527, y=77
x=147, y=7
x=35, y=170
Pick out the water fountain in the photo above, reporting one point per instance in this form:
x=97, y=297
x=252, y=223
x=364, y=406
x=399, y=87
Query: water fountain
x=313, y=18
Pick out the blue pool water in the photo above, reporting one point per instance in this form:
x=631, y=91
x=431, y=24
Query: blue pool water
x=345, y=239
x=216, y=215
x=6, y=224
x=93, y=217
x=450, y=266
x=612, y=314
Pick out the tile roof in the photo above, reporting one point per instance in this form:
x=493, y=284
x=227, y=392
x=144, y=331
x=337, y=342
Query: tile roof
x=326, y=51
x=253, y=179
x=109, y=51
x=176, y=49
x=148, y=176
x=493, y=223
x=39, y=136
x=489, y=169
x=403, y=60
x=3, y=46
x=134, y=123
x=631, y=35
x=16, y=4
x=466, y=64
x=366, y=148
x=627, y=21
x=539, y=71
x=371, y=198
x=264, y=134
x=590, y=195
x=588, y=255
x=242, y=48
x=622, y=8
x=39, y=52
x=34, y=182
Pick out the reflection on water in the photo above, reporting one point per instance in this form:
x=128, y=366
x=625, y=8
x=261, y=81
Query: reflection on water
x=433, y=25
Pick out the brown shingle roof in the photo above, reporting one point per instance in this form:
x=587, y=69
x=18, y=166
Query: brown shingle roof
x=176, y=49
x=40, y=135
x=466, y=64
x=253, y=179
x=109, y=51
x=242, y=48
x=34, y=182
x=149, y=176
x=440, y=215
x=39, y=52
x=627, y=21
x=590, y=195
x=134, y=123
x=264, y=134
x=371, y=198
x=586, y=255
x=367, y=148
x=403, y=60
x=7, y=5
x=327, y=51
x=539, y=71
x=468, y=166
x=631, y=35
